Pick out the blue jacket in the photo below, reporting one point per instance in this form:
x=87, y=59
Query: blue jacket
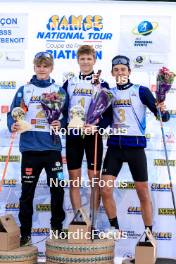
x=35, y=140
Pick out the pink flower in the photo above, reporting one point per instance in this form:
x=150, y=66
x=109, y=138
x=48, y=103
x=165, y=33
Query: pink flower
x=165, y=78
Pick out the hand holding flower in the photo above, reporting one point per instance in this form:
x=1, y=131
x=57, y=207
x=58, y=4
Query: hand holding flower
x=165, y=79
x=161, y=106
x=56, y=124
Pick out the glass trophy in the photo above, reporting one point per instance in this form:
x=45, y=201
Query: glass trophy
x=18, y=115
x=77, y=117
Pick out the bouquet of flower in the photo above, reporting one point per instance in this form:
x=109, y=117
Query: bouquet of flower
x=100, y=102
x=52, y=104
x=165, y=79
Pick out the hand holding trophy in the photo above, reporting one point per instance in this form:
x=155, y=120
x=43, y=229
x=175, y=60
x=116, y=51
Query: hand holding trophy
x=18, y=115
x=77, y=115
x=77, y=112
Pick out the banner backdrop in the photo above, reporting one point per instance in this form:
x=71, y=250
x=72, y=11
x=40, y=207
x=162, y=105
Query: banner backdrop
x=110, y=28
x=13, y=39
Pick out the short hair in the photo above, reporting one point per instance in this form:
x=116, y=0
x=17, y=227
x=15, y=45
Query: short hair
x=86, y=49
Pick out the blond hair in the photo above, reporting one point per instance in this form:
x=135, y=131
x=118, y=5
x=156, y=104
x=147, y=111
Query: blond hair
x=42, y=60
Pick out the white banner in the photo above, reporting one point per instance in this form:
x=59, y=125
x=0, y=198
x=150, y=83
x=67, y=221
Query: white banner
x=147, y=62
x=13, y=30
x=150, y=34
x=13, y=39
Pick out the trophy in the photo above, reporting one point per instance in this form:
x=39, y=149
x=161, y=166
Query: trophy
x=18, y=115
x=77, y=117
x=68, y=76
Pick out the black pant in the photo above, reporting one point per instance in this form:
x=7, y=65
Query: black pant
x=75, y=147
x=32, y=164
x=135, y=157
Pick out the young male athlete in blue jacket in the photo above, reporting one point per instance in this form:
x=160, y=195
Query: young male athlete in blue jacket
x=37, y=146
x=129, y=112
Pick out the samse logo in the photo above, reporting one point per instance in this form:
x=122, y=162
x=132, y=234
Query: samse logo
x=75, y=23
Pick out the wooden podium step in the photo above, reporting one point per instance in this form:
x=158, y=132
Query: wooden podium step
x=100, y=251
x=22, y=255
x=97, y=247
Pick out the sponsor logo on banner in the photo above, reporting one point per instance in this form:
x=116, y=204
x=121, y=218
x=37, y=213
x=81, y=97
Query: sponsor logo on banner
x=43, y=207
x=162, y=235
x=166, y=211
x=61, y=32
x=162, y=162
x=132, y=234
x=7, y=84
x=13, y=30
x=13, y=158
x=42, y=183
x=160, y=187
x=4, y=109
x=148, y=35
x=42, y=231
x=157, y=60
x=9, y=182
x=69, y=209
x=126, y=185
x=9, y=59
x=139, y=61
x=144, y=28
x=12, y=207
x=134, y=210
